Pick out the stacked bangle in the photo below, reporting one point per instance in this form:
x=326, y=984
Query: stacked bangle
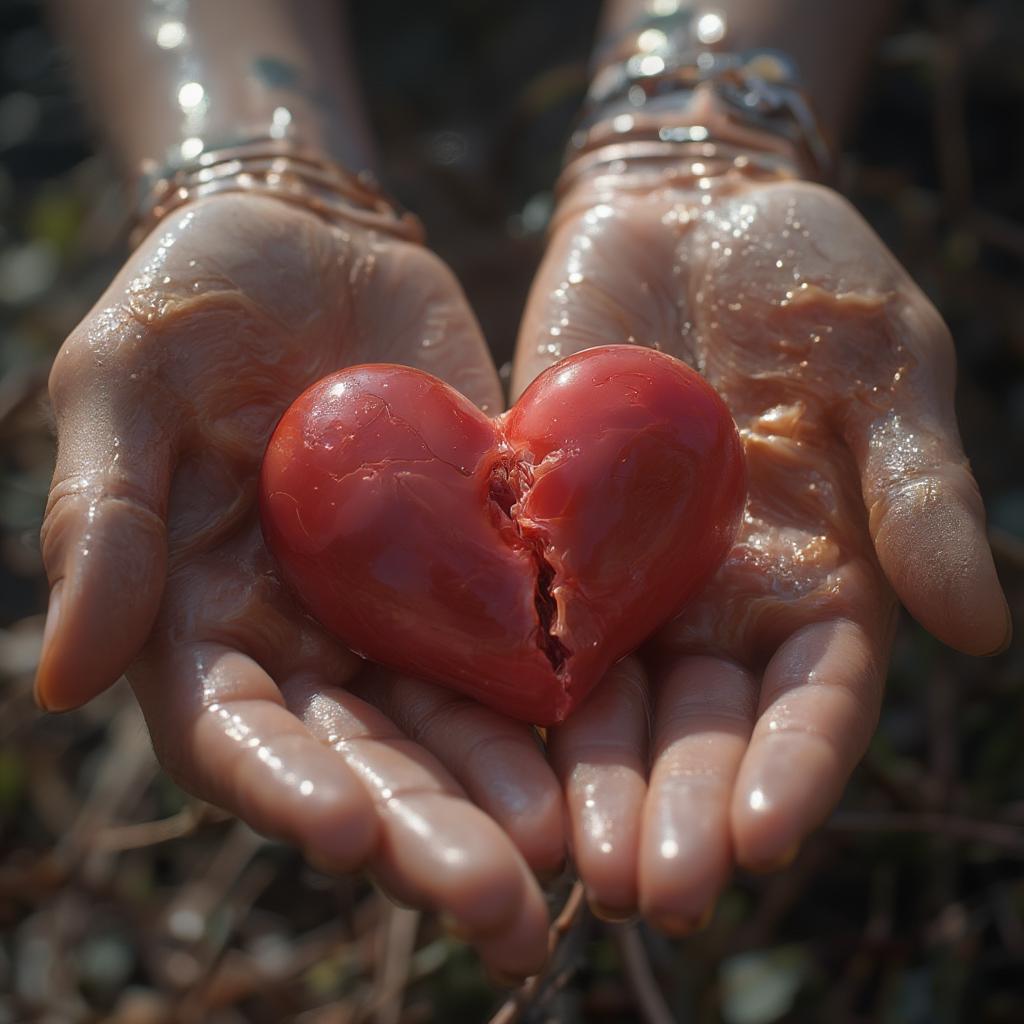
x=666, y=91
x=278, y=168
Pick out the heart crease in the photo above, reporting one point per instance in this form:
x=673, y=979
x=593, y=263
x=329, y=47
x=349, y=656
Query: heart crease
x=510, y=481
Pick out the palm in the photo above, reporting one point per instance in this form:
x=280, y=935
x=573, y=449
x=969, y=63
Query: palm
x=839, y=375
x=165, y=398
x=797, y=340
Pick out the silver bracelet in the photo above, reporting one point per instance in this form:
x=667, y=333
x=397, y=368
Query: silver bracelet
x=648, y=82
x=283, y=170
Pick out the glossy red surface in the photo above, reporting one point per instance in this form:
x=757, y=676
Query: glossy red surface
x=513, y=559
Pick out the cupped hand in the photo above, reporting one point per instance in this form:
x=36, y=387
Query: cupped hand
x=164, y=397
x=840, y=375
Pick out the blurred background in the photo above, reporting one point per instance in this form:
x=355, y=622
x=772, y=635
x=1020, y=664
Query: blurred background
x=123, y=900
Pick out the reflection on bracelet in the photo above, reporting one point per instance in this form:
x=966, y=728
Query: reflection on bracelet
x=634, y=162
x=670, y=80
x=285, y=171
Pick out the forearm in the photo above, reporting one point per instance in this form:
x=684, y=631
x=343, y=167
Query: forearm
x=165, y=86
x=830, y=42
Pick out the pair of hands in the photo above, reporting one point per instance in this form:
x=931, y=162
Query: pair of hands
x=725, y=743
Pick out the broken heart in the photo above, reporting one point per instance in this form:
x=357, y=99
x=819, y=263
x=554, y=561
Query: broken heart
x=516, y=558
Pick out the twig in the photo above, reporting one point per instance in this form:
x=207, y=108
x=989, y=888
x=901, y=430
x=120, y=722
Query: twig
x=195, y=1002
x=906, y=785
x=140, y=834
x=186, y=916
x=642, y=983
x=201, y=894
x=397, y=929
x=516, y=1005
x=240, y=974
x=127, y=768
x=972, y=830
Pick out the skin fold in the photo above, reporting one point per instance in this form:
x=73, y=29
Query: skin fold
x=733, y=734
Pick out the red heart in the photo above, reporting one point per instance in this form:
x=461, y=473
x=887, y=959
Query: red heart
x=514, y=559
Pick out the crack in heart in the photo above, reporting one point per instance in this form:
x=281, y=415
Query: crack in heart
x=509, y=484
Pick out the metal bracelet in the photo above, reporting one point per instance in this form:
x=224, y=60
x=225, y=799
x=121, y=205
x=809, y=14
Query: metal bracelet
x=281, y=169
x=664, y=66
x=689, y=163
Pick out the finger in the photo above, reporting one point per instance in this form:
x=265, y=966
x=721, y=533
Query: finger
x=417, y=314
x=581, y=296
x=600, y=755
x=925, y=513
x=703, y=715
x=819, y=704
x=220, y=728
x=104, y=538
x=436, y=849
x=498, y=761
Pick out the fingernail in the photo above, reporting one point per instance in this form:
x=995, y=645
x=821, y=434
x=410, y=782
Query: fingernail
x=783, y=860
x=52, y=618
x=679, y=926
x=452, y=927
x=612, y=915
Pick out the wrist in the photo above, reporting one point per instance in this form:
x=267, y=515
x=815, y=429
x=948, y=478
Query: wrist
x=209, y=74
x=830, y=43
x=670, y=102
x=281, y=168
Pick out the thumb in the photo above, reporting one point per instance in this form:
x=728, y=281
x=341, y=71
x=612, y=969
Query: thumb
x=925, y=512
x=104, y=536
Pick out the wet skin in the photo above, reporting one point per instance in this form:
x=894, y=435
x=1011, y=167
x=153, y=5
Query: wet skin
x=733, y=735
x=762, y=696
x=165, y=396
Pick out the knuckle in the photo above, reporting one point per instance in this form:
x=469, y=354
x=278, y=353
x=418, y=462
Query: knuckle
x=79, y=502
x=96, y=492
x=58, y=518
x=488, y=748
x=107, y=348
x=434, y=719
x=71, y=370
